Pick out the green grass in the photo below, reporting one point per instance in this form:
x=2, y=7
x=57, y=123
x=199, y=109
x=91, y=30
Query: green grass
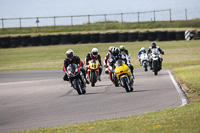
x=101, y=26
x=177, y=53
x=182, y=57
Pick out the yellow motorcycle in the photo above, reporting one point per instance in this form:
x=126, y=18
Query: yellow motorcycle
x=123, y=74
x=93, y=71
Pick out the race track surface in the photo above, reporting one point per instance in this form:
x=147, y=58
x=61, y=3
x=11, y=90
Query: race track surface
x=35, y=99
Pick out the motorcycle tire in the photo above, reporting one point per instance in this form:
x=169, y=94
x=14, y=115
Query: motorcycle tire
x=78, y=87
x=127, y=87
x=145, y=67
x=116, y=82
x=155, y=68
x=93, y=78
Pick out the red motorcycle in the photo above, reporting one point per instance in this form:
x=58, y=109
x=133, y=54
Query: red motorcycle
x=112, y=76
x=93, y=72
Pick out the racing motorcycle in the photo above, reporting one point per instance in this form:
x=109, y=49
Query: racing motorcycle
x=76, y=78
x=123, y=74
x=144, y=61
x=112, y=76
x=156, y=63
x=93, y=71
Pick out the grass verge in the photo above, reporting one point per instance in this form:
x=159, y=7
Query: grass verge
x=180, y=56
x=101, y=26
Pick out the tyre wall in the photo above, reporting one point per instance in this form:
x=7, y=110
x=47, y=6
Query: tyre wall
x=132, y=36
x=5, y=42
x=104, y=37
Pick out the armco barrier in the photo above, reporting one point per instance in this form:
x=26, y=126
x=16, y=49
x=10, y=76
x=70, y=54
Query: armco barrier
x=142, y=36
x=5, y=42
x=25, y=41
x=162, y=36
x=132, y=36
x=152, y=36
x=113, y=37
x=65, y=38
x=35, y=40
x=15, y=41
x=180, y=35
x=75, y=38
x=85, y=38
x=55, y=39
x=123, y=36
x=103, y=38
x=94, y=37
x=171, y=35
x=45, y=40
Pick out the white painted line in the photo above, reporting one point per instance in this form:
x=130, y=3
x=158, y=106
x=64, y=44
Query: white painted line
x=179, y=90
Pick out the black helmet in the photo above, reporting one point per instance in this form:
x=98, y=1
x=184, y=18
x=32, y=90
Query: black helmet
x=153, y=45
x=116, y=51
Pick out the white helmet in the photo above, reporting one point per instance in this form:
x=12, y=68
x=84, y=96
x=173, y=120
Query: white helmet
x=94, y=52
x=142, y=49
x=70, y=54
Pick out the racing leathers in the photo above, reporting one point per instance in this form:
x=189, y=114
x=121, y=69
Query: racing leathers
x=155, y=50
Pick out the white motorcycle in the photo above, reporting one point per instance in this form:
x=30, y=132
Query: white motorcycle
x=144, y=61
x=155, y=58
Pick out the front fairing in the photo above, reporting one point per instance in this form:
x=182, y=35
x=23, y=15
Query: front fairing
x=73, y=70
x=93, y=65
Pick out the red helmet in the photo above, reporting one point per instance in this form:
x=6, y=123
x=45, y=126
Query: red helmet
x=70, y=54
x=110, y=49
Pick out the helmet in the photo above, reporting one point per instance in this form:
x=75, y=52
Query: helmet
x=116, y=51
x=110, y=49
x=95, y=52
x=153, y=45
x=122, y=48
x=142, y=49
x=70, y=54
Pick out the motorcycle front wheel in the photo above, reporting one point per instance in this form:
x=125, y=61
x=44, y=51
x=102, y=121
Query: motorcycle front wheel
x=125, y=84
x=155, y=67
x=93, y=78
x=78, y=87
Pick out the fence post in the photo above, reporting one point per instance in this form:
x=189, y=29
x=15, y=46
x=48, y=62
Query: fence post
x=37, y=21
x=71, y=20
x=20, y=23
x=170, y=15
x=154, y=12
x=186, y=14
x=138, y=17
x=54, y=21
x=122, y=18
x=88, y=19
x=2, y=24
x=105, y=18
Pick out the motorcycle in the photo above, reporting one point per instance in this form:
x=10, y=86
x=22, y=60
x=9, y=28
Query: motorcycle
x=144, y=61
x=155, y=57
x=123, y=74
x=93, y=71
x=76, y=79
x=112, y=76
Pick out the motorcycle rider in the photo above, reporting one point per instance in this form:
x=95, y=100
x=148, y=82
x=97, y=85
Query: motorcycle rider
x=142, y=50
x=116, y=56
x=153, y=47
x=71, y=58
x=94, y=55
x=106, y=59
x=125, y=52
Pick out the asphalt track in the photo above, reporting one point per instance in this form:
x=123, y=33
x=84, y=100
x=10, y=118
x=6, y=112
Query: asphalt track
x=36, y=99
